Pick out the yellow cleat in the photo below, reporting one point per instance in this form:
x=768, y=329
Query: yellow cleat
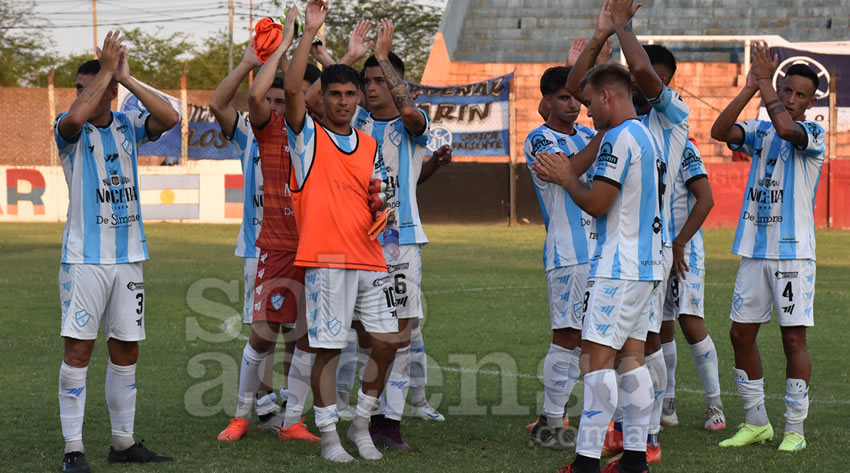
x=749, y=434
x=792, y=442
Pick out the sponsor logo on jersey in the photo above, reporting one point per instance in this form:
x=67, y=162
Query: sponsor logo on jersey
x=397, y=267
x=82, y=317
x=762, y=219
x=334, y=326
x=135, y=286
x=786, y=275
x=539, y=142
x=381, y=281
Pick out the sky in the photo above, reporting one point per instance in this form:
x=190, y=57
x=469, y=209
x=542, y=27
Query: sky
x=72, y=20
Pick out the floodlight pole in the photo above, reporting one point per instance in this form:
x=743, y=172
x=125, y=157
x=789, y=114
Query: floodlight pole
x=94, y=24
x=230, y=36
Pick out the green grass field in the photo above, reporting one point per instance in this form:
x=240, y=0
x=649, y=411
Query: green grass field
x=486, y=300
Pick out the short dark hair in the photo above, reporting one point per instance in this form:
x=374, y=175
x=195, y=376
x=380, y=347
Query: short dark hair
x=277, y=83
x=659, y=55
x=89, y=68
x=608, y=74
x=804, y=71
x=339, y=74
x=396, y=61
x=553, y=79
x=312, y=73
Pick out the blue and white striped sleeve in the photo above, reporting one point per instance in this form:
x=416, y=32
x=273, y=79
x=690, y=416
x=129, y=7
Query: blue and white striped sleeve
x=613, y=159
x=139, y=120
x=750, y=129
x=816, y=143
x=302, y=147
x=692, y=166
x=670, y=106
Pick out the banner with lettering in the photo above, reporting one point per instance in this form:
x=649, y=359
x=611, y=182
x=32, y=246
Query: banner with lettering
x=206, y=140
x=474, y=119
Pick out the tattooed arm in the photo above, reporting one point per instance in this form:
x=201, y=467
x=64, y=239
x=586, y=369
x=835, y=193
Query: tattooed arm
x=412, y=118
x=589, y=55
x=786, y=127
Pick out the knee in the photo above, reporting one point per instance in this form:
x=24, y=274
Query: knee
x=794, y=340
x=78, y=353
x=123, y=353
x=741, y=336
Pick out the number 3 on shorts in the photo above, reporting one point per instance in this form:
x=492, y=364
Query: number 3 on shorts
x=141, y=299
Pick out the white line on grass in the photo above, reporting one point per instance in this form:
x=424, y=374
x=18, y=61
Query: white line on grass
x=503, y=288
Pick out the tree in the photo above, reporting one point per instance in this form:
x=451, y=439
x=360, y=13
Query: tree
x=22, y=56
x=157, y=60
x=65, y=72
x=208, y=66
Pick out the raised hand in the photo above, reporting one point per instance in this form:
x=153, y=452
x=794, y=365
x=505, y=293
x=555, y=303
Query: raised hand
x=288, y=34
x=316, y=12
x=605, y=53
x=250, y=57
x=385, y=39
x=443, y=155
x=122, y=73
x=553, y=168
x=576, y=48
x=357, y=44
x=110, y=54
x=762, y=64
x=604, y=24
x=622, y=11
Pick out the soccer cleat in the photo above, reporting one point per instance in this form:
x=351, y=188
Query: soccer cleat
x=614, y=466
x=653, y=453
x=668, y=414
x=235, y=431
x=748, y=434
x=298, y=432
x=388, y=435
x=75, y=462
x=346, y=413
x=714, y=419
x=556, y=438
x=137, y=453
x=613, y=441
x=427, y=412
x=271, y=424
x=530, y=426
x=792, y=442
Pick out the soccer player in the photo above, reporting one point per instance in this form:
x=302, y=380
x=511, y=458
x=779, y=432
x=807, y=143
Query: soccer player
x=625, y=268
x=690, y=203
x=565, y=254
x=775, y=239
x=103, y=247
x=345, y=271
x=401, y=130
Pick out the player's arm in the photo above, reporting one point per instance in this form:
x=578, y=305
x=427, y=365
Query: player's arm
x=84, y=105
x=701, y=189
x=594, y=200
x=411, y=116
x=163, y=117
x=786, y=127
x=724, y=128
x=621, y=13
x=321, y=55
x=220, y=100
x=588, y=57
x=259, y=111
x=296, y=106
x=441, y=157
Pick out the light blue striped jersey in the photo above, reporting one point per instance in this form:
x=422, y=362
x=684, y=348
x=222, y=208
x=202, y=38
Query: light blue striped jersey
x=403, y=154
x=567, y=226
x=683, y=201
x=104, y=221
x=252, y=187
x=628, y=236
x=777, y=215
x=668, y=122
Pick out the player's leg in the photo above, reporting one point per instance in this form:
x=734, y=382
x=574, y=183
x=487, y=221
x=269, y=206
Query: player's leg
x=330, y=300
x=385, y=427
x=419, y=375
x=298, y=385
x=655, y=362
x=82, y=290
x=668, y=346
x=705, y=358
x=752, y=303
x=346, y=371
x=123, y=326
x=794, y=293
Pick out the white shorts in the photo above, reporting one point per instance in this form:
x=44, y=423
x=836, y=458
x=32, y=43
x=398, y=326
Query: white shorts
x=787, y=285
x=108, y=295
x=685, y=297
x=615, y=309
x=335, y=297
x=567, y=285
x=406, y=280
x=655, y=308
x=249, y=266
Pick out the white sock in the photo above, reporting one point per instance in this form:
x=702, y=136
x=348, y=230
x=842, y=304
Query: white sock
x=250, y=375
x=600, y=399
x=395, y=392
x=637, y=392
x=574, y=374
x=326, y=419
x=556, y=376
x=418, y=368
x=358, y=433
x=705, y=359
x=300, y=371
x=72, y=405
x=346, y=367
x=796, y=404
x=670, y=360
x=658, y=375
x=752, y=393
x=121, y=401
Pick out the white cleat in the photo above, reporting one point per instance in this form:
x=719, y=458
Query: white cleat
x=272, y=424
x=669, y=418
x=427, y=412
x=714, y=419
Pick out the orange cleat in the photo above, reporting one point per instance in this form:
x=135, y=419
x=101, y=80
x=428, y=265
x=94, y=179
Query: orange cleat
x=235, y=431
x=613, y=441
x=298, y=432
x=653, y=453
